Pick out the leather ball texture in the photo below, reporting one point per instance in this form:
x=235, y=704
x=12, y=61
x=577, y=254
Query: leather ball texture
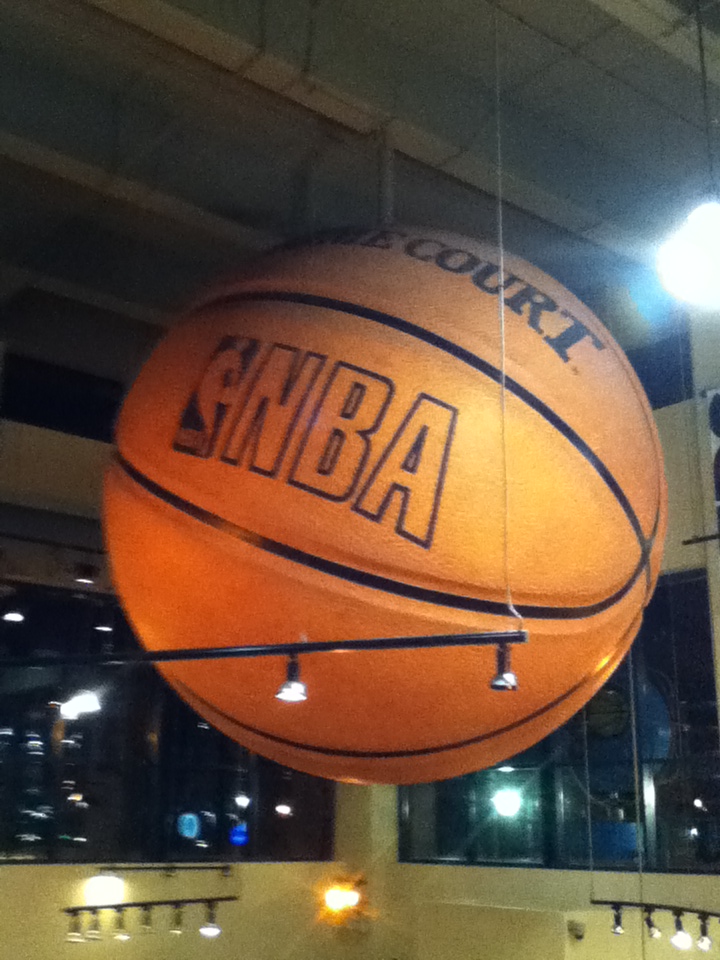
x=355, y=439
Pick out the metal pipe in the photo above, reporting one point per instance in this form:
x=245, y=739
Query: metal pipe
x=270, y=650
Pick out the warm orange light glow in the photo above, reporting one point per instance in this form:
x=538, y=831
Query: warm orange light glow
x=343, y=901
x=339, y=898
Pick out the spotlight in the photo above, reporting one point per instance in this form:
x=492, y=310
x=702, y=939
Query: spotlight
x=652, y=930
x=103, y=628
x=242, y=800
x=81, y=703
x=13, y=616
x=120, y=931
x=504, y=678
x=341, y=897
x=105, y=889
x=703, y=941
x=93, y=930
x=688, y=261
x=283, y=809
x=293, y=690
x=74, y=934
x=617, y=927
x=681, y=939
x=210, y=927
x=177, y=920
x=85, y=573
x=146, y=923
x=507, y=802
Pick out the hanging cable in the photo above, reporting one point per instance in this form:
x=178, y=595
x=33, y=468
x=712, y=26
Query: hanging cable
x=639, y=797
x=705, y=99
x=501, y=320
x=588, y=801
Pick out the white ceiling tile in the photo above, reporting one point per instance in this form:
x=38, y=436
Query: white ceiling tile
x=645, y=66
x=598, y=108
x=570, y=24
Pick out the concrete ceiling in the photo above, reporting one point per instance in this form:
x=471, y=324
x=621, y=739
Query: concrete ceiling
x=146, y=145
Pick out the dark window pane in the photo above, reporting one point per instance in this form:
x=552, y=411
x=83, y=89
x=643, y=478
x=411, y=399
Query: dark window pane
x=46, y=395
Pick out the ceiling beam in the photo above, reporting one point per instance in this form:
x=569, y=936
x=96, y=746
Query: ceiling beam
x=224, y=80
x=13, y=279
x=161, y=206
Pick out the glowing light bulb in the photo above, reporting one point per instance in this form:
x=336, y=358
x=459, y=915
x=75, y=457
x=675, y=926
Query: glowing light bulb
x=79, y=704
x=341, y=898
x=104, y=889
x=507, y=802
x=688, y=263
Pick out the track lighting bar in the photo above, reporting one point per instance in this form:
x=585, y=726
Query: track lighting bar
x=500, y=639
x=652, y=907
x=141, y=904
x=169, y=868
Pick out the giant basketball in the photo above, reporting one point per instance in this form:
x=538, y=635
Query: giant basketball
x=351, y=440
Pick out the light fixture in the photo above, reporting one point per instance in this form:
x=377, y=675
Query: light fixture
x=681, y=939
x=688, y=263
x=703, y=941
x=283, y=809
x=74, y=934
x=504, y=678
x=506, y=769
x=176, y=926
x=104, y=889
x=342, y=896
x=293, y=690
x=93, y=930
x=81, y=703
x=13, y=616
x=344, y=901
x=242, y=800
x=507, y=802
x=85, y=573
x=698, y=803
x=120, y=931
x=617, y=927
x=652, y=930
x=146, y=924
x=210, y=928
x=103, y=628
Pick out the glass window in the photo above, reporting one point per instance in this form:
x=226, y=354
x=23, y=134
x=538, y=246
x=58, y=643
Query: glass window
x=579, y=798
x=108, y=764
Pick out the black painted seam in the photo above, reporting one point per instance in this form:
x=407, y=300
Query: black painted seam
x=371, y=580
x=465, y=356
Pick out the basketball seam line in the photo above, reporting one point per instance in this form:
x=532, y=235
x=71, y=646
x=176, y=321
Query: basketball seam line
x=465, y=356
x=191, y=696
x=363, y=578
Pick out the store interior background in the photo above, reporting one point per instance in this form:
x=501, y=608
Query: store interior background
x=148, y=146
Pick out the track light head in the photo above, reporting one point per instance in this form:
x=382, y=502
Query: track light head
x=293, y=690
x=75, y=934
x=504, y=678
x=210, y=928
x=681, y=939
x=93, y=930
x=703, y=941
x=120, y=931
x=176, y=925
x=652, y=930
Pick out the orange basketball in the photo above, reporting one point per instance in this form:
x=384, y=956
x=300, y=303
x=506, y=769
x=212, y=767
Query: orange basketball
x=324, y=447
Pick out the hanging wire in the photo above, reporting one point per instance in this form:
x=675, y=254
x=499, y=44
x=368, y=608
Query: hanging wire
x=588, y=804
x=501, y=320
x=639, y=797
x=705, y=98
